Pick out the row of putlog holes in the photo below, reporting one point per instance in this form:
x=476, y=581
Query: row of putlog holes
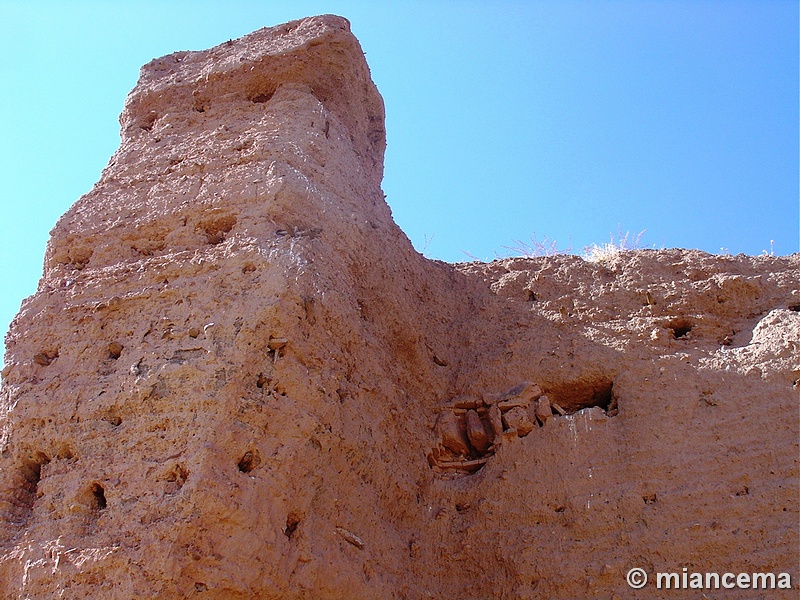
x=31, y=475
x=215, y=229
x=200, y=104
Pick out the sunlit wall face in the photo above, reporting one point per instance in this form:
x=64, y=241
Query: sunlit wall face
x=569, y=121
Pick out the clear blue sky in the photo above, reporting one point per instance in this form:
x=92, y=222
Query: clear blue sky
x=562, y=118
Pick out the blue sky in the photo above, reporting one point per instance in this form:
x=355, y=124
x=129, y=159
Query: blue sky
x=563, y=119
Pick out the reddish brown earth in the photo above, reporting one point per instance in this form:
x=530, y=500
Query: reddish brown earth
x=237, y=378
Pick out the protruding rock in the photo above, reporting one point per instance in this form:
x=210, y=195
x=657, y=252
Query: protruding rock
x=476, y=432
x=467, y=402
x=496, y=421
x=543, y=410
x=451, y=433
x=277, y=343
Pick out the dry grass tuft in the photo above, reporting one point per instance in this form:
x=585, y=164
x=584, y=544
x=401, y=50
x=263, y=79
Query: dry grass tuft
x=609, y=250
x=535, y=248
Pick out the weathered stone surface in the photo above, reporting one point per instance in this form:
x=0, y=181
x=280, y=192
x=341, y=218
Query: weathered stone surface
x=228, y=381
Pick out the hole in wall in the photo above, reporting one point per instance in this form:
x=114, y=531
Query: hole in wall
x=65, y=453
x=148, y=120
x=41, y=359
x=261, y=97
x=471, y=428
x=24, y=495
x=114, y=419
x=98, y=497
x=249, y=461
x=74, y=253
x=576, y=395
x=175, y=479
x=200, y=103
x=115, y=350
x=680, y=326
x=795, y=307
x=217, y=227
x=292, y=521
x=31, y=472
x=78, y=257
x=46, y=357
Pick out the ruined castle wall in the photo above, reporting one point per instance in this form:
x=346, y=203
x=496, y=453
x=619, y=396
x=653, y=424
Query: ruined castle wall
x=237, y=378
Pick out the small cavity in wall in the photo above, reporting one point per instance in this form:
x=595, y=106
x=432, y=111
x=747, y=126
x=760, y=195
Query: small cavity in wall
x=25, y=490
x=292, y=521
x=98, y=497
x=680, y=327
x=586, y=392
x=249, y=461
x=216, y=227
